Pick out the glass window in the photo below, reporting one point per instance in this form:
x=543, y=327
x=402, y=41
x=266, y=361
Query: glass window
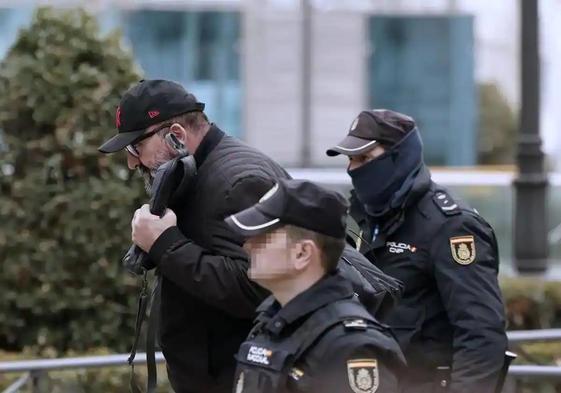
x=423, y=66
x=197, y=49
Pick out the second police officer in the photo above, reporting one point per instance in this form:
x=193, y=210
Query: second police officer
x=450, y=322
x=312, y=334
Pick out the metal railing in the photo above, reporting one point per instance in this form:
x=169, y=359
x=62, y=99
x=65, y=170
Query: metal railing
x=446, y=177
x=36, y=370
x=524, y=371
x=71, y=363
x=526, y=336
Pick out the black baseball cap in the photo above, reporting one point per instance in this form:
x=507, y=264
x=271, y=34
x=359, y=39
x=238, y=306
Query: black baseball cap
x=294, y=202
x=147, y=103
x=376, y=126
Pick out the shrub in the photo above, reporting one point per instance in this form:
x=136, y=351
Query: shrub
x=497, y=127
x=64, y=208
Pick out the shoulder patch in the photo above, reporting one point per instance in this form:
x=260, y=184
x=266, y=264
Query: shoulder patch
x=363, y=375
x=463, y=249
x=445, y=203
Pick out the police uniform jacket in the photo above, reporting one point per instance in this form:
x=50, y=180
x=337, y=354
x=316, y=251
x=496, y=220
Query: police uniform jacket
x=207, y=301
x=323, y=340
x=450, y=322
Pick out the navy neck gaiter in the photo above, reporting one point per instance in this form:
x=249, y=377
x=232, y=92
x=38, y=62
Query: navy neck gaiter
x=383, y=183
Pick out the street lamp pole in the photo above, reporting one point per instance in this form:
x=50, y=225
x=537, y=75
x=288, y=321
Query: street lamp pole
x=530, y=221
x=306, y=84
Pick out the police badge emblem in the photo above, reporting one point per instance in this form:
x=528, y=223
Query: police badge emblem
x=463, y=249
x=363, y=375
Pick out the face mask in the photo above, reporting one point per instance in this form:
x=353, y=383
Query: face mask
x=383, y=182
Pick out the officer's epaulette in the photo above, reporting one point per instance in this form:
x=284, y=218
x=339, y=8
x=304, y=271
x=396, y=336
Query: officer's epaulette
x=446, y=203
x=355, y=324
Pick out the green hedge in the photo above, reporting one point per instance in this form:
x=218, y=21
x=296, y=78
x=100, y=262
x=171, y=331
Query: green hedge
x=114, y=380
x=497, y=127
x=95, y=380
x=532, y=303
x=539, y=354
x=64, y=208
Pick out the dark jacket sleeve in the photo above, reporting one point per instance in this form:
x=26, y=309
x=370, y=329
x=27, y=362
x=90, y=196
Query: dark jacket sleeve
x=217, y=277
x=465, y=262
x=356, y=362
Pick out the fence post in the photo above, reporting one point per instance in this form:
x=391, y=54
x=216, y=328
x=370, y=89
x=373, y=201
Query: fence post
x=39, y=381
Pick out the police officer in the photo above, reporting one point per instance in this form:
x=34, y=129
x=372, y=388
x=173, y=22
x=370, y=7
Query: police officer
x=312, y=334
x=450, y=322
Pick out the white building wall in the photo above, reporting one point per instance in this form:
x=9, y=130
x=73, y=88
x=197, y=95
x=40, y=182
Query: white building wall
x=550, y=49
x=273, y=72
x=340, y=61
x=271, y=62
x=271, y=69
x=339, y=68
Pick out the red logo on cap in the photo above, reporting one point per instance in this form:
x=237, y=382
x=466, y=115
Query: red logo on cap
x=118, y=117
x=153, y=114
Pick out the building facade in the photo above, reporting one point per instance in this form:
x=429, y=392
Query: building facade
x=289, y=76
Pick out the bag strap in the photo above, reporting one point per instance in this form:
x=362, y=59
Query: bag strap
x=154, y=298
x=151, y=334
x=140, y=315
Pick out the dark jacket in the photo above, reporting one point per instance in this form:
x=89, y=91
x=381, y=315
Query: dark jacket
x=451, y=313
x=207, y=300
x=323, y=340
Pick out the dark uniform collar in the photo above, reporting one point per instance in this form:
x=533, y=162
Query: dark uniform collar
x=209, y=142
x=420, y=187
x=356, y=210
x=269, y=306
x=328, y=289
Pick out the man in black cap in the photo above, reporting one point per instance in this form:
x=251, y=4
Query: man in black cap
x=312, y=334
x=207, y=301
x=450, y=323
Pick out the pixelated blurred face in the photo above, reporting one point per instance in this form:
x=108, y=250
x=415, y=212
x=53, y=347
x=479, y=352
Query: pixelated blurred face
x=272, y=256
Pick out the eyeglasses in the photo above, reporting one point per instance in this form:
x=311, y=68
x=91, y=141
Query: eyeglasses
x=132, y=149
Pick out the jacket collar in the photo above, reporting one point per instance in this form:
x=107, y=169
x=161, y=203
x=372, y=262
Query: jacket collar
x=394, y=219
x=327, y=290
x=209, y=142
